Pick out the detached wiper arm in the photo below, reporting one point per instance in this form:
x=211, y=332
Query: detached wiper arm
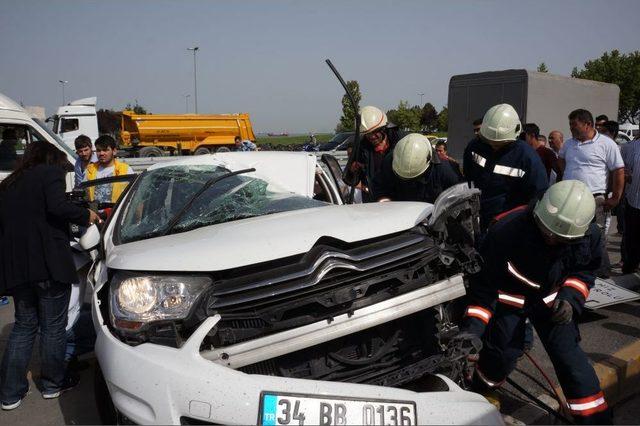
x=208, y=184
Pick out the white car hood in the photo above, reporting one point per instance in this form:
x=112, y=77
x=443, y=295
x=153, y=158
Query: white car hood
x=260, y=239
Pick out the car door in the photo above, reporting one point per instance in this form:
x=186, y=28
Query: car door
x=334, y=173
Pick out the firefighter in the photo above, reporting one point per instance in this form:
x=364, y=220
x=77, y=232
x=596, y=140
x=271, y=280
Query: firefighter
x=413, y=172
x=507, y=170
x=539, y=263
x=379, y=139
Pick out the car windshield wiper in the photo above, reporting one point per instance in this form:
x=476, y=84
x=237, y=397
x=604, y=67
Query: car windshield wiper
x=208, y=184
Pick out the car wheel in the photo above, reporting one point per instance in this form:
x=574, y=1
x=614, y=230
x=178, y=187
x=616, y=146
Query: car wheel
x=151, y=151
x=223, y=149
x=202, y=151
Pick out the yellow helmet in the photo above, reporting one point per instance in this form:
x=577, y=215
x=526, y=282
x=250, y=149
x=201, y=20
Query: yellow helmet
x=371, y=118
x=412, y=156
x=500, y=125
x=566, y=209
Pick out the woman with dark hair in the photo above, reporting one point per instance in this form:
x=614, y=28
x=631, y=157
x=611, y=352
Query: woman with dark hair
x=37, y=268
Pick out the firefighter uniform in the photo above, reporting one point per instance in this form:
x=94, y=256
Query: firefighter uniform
x=508, y=177
x=426, y=187
x=521, y=278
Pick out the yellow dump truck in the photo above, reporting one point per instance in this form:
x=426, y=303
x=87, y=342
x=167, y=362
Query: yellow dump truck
x=153, y=135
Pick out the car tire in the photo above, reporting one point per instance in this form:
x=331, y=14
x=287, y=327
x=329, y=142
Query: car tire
x=223, y=149
x=203, y=150
x=151, y=151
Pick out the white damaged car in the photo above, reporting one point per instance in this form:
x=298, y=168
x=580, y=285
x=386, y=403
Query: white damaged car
x=237, y=288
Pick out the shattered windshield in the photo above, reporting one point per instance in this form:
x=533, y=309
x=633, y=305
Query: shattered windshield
x=161, y=193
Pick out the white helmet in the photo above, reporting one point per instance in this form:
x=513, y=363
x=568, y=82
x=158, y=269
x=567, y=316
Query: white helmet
x=566, y=209
x=500, y=125
x=371, y=118
x=412, y=156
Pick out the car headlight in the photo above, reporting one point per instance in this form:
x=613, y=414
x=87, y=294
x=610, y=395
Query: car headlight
x=137, y=299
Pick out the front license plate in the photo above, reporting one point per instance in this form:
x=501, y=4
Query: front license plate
x=296, y=409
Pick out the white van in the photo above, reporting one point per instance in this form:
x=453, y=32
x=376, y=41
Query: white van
x=17, y=130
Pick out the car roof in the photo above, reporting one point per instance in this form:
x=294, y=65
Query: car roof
x=293, y=171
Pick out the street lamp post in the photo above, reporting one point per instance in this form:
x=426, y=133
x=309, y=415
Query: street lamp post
x=62, y=83
x=186, y=99
x=421, y=95
x=195, y=81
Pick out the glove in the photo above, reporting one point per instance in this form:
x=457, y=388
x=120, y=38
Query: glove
x=562, y=312
x=465, y=342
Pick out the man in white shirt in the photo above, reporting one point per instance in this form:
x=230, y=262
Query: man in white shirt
x=589, y=157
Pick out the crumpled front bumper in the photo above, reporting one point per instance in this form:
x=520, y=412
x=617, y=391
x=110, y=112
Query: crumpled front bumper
x=153, y=384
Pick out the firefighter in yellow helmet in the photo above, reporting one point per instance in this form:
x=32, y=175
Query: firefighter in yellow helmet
x=539, y=263
x=507, y=170
x=379, y=137
x=413, y=173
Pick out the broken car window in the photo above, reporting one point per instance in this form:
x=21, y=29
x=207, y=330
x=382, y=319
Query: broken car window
x=161, y=193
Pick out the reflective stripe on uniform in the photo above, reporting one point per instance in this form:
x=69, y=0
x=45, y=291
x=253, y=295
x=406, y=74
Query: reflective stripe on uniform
x=577, y=285
x=508, y=171
x=478, y=159
x=508, y=212
x=588, y=406
x=521, y=277
x=479, y=312
x=511, y=299
x=550, y=298
x=487, y=381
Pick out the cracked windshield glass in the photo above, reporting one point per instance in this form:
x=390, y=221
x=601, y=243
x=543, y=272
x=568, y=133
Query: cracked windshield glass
x=161, y=194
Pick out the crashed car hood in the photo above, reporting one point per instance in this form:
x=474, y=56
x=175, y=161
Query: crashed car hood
x=260, y=239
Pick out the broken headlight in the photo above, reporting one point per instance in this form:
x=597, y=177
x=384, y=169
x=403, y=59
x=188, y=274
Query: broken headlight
x=138, y=299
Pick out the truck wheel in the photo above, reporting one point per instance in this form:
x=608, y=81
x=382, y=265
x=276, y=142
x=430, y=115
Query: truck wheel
x=223, y=149
x=202, y=151
x=151, y=151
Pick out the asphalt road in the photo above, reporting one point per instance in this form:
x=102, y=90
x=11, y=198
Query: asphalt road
x=603, y=333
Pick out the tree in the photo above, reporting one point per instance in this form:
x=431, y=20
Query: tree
x=136, y=108
x=404, y=117
x=108, y=121
x=542, y=67
x=620, y=69
x=347, y=121
x=428, y=117
x=443, y=120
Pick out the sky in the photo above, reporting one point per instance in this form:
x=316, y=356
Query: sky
x=266, y=57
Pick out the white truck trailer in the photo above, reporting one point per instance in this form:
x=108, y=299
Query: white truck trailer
x=541, y=98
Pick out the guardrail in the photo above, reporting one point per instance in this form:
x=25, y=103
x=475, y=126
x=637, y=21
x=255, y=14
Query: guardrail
x=141, y=164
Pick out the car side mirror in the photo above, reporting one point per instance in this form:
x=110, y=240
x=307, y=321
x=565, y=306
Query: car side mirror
x=91, y=238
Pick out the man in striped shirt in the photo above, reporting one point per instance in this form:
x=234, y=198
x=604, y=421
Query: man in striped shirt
x=631, y=233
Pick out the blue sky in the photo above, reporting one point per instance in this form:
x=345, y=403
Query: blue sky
x=267, y=57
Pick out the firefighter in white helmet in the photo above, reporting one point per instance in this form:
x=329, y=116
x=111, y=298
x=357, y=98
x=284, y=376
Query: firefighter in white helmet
x=507, y=170
x=539, y=263
x=413, y=172
x=378, y=139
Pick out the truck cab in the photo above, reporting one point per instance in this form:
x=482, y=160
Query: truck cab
x=76, y=118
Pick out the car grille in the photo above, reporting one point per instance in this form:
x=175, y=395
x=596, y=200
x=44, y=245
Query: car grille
x=327, y=281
